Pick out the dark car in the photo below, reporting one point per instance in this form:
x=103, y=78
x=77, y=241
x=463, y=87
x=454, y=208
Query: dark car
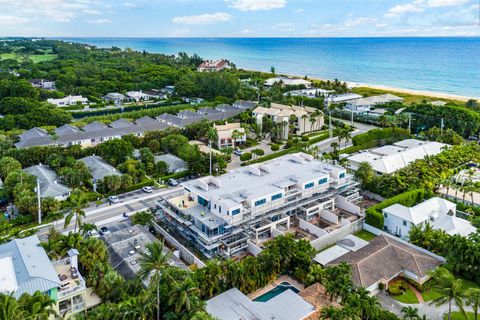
x=104, y=231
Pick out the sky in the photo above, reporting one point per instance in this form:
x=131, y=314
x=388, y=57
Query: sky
x=239, y=18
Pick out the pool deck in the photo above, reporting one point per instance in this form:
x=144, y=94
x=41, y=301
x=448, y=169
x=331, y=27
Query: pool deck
x=272, y=285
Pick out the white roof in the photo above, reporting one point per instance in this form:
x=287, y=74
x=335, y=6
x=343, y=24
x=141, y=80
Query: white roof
x=374, y=100
x=330, y=254
x=389, y=159
x=439, y=212
x=438, y=103
x=68, y=100
x=234, y=305
x=287, y=81
x=8, y=281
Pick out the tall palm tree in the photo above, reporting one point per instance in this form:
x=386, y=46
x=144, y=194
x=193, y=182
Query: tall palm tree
x=473, y=300
x=410, y=313
x=152, y=263
x=450, y=290
x=87, y=227
x=185, y=297
x=10, y=308
x=78, y=200
x=38, y=306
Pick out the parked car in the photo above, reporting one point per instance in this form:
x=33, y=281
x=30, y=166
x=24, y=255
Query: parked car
x=172, y=182
x=114, y=199
x=238, y=152
x=104, y=230
x=147, y=189
x=93, y=234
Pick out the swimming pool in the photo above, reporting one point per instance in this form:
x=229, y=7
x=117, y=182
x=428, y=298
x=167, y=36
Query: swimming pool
x=282, y=287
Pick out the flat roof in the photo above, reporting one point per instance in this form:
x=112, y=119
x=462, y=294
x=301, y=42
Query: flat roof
x=330, y=254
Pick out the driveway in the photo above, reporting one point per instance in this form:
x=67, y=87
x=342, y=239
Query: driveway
x=236, y=163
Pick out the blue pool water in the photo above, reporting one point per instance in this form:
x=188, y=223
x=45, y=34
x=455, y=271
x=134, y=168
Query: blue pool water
x=448, y=65
x=282, y=287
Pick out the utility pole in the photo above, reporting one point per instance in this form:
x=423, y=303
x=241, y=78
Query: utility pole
x=441, y=127
x=330, y=123
x=352, y=119
x=210, y=146
x=410, y=122
x=39, y=202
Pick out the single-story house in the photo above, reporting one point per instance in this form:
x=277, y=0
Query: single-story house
x=174, y=163
x=138, y=95
x=99, y=168
x=341, y=98
x=366, y=104
x=438, y=212
x=116, y=97
x=43, y=84
x=234, y=305
x=213, y=66
x=286, y=81
x=50, y=184
x=68, y=101
x=385, y=258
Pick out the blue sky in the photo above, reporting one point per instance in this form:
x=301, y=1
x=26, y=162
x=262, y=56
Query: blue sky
x=239, y=18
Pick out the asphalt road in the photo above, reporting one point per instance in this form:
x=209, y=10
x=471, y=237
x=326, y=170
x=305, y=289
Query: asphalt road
x=104, y=214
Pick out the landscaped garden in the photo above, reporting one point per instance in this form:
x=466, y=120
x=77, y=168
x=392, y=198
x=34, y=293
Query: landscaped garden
x=365, y=235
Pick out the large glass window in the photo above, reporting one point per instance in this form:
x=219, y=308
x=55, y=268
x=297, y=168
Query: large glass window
x=309, y=185
x=235, y=212
x=323, y=181
x=276, y=196
x=341, y=175
x=260, y=202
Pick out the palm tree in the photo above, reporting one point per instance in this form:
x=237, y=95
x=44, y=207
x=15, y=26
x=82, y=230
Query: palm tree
x=152, y=263
x=383, y=121
x=473, y=299
x=38, y=306
x=364, y=173
x=10, y=308
x=185, y=297
x=235, y=136
x=78, y=201
x=410, y=313
x=450, y=289
x=87, y=227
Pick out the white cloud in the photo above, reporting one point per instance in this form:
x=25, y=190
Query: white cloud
x=98, y=21
x=360, y=21
x=445, y=3
x=299, y=10
x=9, y=21
x=404, y=8
x=256, y=5
x=285, y=26
x=206, y=18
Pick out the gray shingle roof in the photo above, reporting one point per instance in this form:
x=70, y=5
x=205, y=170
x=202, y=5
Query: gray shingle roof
x=33, y=269
x=120, y=123
x=99, y=167
x=66, y=129
x=94, y=126
x=385, y=257
x=33, y=133
x=242, y=104
x=175, y=164
x=49, y=182
x=33, y=142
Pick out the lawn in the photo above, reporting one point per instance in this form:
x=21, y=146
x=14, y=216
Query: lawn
x=365, y=235
x=432, y=294
x=408, y=297
x=408, y=97
x=35, y=58
x=458, y=316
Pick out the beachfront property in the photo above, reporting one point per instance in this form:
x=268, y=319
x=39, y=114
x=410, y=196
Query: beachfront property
x=43, y=84
x=391, y=158
x=50, y=184
x=309, y=93
x=290, y=194
x=116, y=97
x=439, y=213
x=438, y=103
x=384, y=259
x=233, y=305
x=229, y=135
x=305, y=119
x=286, y=81
x=341, y=98
x=126, y=244
x=174, y=163
x=362, y=105
x=213, y=66
x=99, y=168
x=68, y=101
x=26, y=268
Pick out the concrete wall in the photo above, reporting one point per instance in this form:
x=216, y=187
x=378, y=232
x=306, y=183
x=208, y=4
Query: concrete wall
x=342, y=203
x=332, y=237
x=185, y=254
x=329, y=216
x=277, y=233
x=253, y=249
x=310, y=228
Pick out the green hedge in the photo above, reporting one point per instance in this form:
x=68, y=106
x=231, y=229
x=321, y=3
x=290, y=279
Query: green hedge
x=374, y=215
x=381, y=134
x=293, y=149
x=140, y=185
x=177, y=175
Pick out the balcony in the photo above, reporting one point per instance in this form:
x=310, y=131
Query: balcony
x=71, y=280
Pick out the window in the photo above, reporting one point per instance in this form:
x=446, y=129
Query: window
x=215, y=206
x=235, y=212
x=385, y=215
x=404, y=223
x=309, y=185
x=276, y=196
x=323, y=181
x=341, y=175
x=220, y=209
x=260, y=202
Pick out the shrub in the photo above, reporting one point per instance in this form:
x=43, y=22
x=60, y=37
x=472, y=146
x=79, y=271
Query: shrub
x=397, y=288
x=305, y=138
x=374, y=215
x=275, y=147
x=246, y=156
x=381, y=286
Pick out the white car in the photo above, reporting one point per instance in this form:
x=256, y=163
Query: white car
x=147, y=189
x=93, y=234
x=114, y=199
x=238, y=152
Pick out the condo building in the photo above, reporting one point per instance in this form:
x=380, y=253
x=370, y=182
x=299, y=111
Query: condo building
x=222, y=215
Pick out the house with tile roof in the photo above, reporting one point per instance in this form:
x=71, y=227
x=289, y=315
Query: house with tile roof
x=386, y=258
x=213, y=66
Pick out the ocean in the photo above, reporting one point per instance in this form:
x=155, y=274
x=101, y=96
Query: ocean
x=445, y=65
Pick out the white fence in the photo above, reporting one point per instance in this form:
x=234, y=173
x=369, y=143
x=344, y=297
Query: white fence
x=254, y=249
x=342, y=203
x=310, y=228
x=185, y=254
x=332, y=237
